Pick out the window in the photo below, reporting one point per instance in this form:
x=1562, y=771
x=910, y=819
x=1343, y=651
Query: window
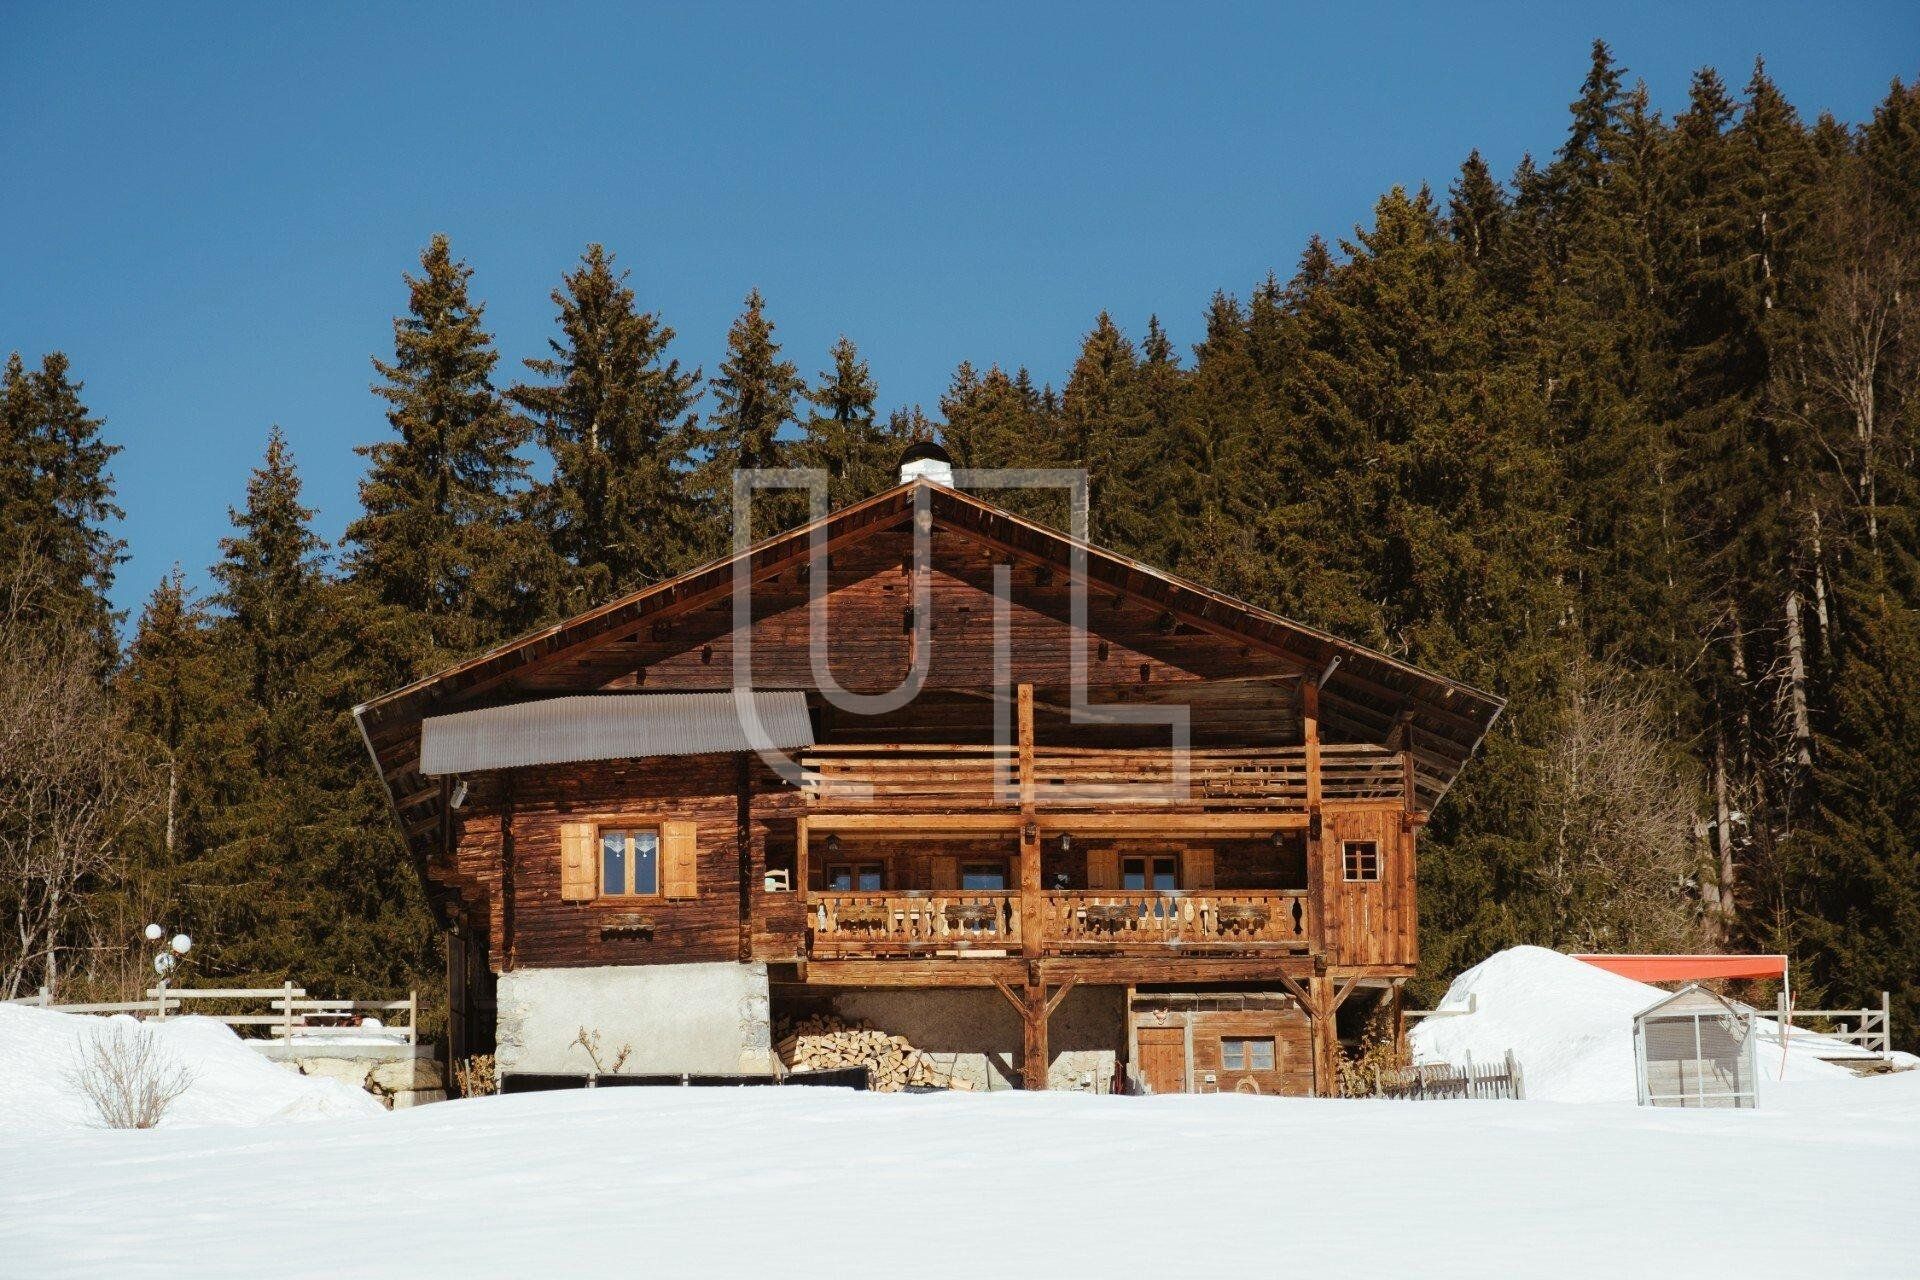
x=1160, y=875
x=1246, y=1053
x=629, y=862
x=855, y=877
x=1362, y=858
x=984, y=877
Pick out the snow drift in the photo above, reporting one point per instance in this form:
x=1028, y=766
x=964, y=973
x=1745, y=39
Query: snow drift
x=231, y=1084
x=1571, y=1027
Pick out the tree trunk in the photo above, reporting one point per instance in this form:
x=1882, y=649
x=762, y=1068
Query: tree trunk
x=1797, y=683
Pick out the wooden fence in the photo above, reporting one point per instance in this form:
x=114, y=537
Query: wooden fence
x=289, y=1011
x=1445, y=1080
x=1871, y=1029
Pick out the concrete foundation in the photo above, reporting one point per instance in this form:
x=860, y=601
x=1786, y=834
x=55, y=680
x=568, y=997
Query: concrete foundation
x=976, y=1034
x=701, y=1019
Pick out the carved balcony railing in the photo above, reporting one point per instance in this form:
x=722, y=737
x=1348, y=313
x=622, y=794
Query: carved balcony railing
x=906, y=923
x=1196, y=920
x=1083, y=922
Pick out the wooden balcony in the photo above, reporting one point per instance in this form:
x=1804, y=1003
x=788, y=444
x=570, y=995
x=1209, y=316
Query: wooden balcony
x=909, y=923
x=960, y=924
x=913, y=778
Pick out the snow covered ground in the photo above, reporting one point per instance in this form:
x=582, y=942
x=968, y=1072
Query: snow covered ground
x=821, y=1182
x=1820, y=1182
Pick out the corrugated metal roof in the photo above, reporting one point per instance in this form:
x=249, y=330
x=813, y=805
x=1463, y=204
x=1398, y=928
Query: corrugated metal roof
x=608, y=727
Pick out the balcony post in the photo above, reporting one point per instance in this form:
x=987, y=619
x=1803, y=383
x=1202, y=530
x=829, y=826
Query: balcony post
x=1030, y=901
x=1310, y=751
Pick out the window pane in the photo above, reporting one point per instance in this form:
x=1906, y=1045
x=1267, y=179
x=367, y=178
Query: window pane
x=646, y=861
x=983, y=877
x=1233, y=1055
x=870, y=877
x=613, y=862
x=1163, y=875
x=1261, y=1054
x=1133, y=874
x=840, y=879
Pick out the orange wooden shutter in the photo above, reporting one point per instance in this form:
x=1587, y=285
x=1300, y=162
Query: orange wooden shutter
x=1103, y=869
x=943, y=873
x=578, y=881
x=679, y=874
x=1198, y=869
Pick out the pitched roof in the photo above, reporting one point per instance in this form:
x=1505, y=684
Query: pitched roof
x=1364, y=692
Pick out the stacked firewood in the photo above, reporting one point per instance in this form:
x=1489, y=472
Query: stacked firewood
x=822, y=1042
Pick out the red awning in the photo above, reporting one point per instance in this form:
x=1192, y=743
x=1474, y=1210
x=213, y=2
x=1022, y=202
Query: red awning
x=1689, y=968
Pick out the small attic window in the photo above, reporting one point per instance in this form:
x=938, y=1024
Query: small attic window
x=1361, y=859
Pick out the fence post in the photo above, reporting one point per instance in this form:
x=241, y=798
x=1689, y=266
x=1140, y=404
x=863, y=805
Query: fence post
x=286, y=1005
x=1886, y=1024
x=413, y=1017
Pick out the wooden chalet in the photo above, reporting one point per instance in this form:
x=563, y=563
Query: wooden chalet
x=591, y=821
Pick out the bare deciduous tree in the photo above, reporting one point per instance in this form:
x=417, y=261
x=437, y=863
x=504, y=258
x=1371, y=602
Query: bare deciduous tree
x=70, y=785
x=128, y=1075
x=1621, y=805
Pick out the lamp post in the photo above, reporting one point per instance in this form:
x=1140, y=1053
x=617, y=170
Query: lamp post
x=165, y=959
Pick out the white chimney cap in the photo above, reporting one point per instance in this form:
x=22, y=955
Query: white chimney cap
x=925, y=460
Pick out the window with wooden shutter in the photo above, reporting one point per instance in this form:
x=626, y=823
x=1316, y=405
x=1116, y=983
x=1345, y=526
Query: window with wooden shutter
x=1197, y=869
x=579, y=876
x=1103, y=869
x=678, y=859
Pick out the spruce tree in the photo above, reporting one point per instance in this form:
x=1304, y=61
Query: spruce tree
x=57, y=495
x=1103, y=428
x=844, y=436
x=441, y=552
x=614, y=412
x=756, y=398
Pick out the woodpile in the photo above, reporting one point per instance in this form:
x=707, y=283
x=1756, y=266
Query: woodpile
x=822, y=1042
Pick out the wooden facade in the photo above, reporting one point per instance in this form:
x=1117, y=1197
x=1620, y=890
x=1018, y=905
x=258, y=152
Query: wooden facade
x=981, y=835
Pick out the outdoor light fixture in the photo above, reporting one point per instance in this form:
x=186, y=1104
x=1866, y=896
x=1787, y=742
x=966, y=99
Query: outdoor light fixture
x=833, y=844
x=166, y=958
x=1066, y=843
x=459, y=797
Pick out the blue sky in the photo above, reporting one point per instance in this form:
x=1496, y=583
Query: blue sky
x=210, y=211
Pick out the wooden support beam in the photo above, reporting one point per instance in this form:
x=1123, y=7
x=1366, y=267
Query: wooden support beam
x=1060, y=993
x=1346, y=989
x=1034, y=1058
x=1032, y=917
x=1326, y=1037
x=1013, y=995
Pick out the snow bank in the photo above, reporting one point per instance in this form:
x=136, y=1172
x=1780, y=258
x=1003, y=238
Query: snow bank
x=232, y=1084
x=724, y=1183
x=1571, y=1027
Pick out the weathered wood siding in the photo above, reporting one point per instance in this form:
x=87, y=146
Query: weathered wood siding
x=1369, y=922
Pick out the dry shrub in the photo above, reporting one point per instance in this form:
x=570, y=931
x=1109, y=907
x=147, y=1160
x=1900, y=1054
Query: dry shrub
x=128, y=1076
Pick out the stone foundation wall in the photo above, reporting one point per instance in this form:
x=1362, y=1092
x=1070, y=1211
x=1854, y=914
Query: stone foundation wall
x=400, y=1075
x=701, y=1019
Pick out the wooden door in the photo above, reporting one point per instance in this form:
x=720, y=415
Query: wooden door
x=1163, y=1058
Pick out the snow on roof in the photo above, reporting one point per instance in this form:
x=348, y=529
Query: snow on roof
x=1570, y=1025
